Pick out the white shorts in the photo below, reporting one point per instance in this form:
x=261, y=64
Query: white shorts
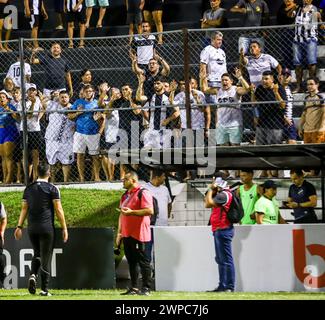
x=83, y=141
x=157, y=139
x=59, y=152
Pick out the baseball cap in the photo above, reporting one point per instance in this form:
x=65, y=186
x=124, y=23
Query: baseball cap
x=30, y=86
x=220, y=182
x=268, y=184
x=221, y=198
x=286, y=71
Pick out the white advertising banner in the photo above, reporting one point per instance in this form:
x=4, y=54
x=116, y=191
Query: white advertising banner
x=267, y=258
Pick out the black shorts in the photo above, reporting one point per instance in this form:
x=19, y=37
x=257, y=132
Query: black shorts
x=135, y=18
x=79, y=17
x=35, y=21
x=35, y=141
x=2, y=8
x=154, y=5
x=59, y=6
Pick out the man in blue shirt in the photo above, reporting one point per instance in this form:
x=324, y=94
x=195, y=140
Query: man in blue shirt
x=87, y=131
x=302, y=198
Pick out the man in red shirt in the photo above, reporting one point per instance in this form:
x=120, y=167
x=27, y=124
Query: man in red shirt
x=219, y=199
x=134, y=230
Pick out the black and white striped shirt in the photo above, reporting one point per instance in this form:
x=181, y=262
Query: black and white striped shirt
x=306, y=25
x=144, y=46
x=35, y=6
x=289, y=104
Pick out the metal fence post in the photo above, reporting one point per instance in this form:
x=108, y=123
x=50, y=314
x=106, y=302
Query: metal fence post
x=23, y=114
x=187, y=77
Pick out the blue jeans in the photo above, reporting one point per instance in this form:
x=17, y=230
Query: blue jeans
x=224, y=259
x=306, y=50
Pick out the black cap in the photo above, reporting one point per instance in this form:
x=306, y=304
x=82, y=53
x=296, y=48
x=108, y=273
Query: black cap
x=268, y=184
x=221, y=198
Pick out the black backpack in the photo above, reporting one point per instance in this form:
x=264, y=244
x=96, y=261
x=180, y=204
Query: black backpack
x=154, y=216
x=236, y=211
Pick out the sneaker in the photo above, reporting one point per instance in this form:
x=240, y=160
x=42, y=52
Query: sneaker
x=144, y=292
x=32, y=284
x=45, y=294
x=229, y=290
x=130, y=292
x=219, y=289
x=60, y=27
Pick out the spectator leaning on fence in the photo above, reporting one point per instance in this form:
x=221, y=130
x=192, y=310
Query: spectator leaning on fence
x=3, y=225
x=152, y=12
x=229, y=118
x=219, y=198
x=306, y=40
x=161, y=117
x=269, y=116
x=134, y=231
x=267, y=207
x=56, y=70
x=312, y=121
x=87, y=132
x=302, y=198
x=143, y=46
x=290, y=131
x=76, y=11
x=9, y=135
x=249, y=192
x=14, y=72
x=35, y=12
x=103, y=4
x=255, y=14
x=59, y=136
x=258, y=62
x=6, y=24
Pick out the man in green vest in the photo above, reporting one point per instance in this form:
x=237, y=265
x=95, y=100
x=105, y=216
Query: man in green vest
x=249, y=192
x=267, y=207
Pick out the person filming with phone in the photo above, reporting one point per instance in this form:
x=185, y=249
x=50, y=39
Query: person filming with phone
x=302, y=198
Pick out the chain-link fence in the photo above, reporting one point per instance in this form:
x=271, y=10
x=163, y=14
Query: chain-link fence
x=115, y=94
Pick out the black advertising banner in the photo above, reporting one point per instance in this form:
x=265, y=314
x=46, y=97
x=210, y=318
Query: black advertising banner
x=86, y=261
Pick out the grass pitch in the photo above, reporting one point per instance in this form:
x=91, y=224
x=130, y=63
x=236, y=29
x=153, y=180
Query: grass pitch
x=22, y=294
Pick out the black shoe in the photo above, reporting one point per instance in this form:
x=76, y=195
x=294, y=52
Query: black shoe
x=217, y=290
x=144, y=292
x=32, y=284
x=130, y=292
x=45, y=294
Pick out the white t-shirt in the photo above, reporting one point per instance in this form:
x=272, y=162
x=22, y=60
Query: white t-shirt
x=33, y=123
x=215, y=59
x=256, y=67
x=14, y=72
x=60, y=128
x=112, y=127
x=229, y=116
x=197, y=116
x=162, y=195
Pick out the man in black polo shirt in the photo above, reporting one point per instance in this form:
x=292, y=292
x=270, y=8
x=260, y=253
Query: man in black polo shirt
x=302, y=198
x=40, y=200
x=56, y=70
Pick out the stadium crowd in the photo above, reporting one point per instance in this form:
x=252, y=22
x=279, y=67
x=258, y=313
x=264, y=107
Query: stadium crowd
x=68, y=118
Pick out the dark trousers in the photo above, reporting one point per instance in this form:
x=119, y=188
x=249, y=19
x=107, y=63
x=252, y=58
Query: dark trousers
x=136, y=255
x=224, y=259
x=43, y=248
x=2, y=263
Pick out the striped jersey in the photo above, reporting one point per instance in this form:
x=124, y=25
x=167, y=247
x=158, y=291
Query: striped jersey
x=289, y=104
x=71, y=4
x=144, y=47
x=35, y=6
x=306, y=25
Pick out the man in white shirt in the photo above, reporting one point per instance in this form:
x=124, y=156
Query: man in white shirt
x=213, y=62
x=14, y=72
x=161, y=193
x=59, y=136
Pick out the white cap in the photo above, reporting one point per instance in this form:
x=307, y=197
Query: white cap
x=220, y=183
x=8, y=95
x=30, y=86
